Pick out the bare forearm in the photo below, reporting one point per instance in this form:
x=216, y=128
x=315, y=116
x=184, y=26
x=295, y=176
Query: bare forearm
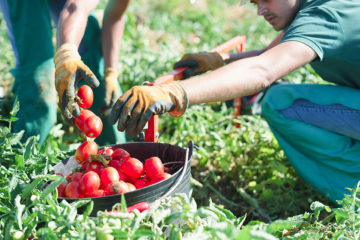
x=113, y=29
x=248, y=76
x=73, y=20
x=240, y=78
x=228, y=58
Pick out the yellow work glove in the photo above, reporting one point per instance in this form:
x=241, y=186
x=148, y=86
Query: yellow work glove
x=111, y=87
x=199, y=63
x=69, y=69
x=136, y=106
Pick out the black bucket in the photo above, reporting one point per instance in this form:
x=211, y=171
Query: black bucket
x=179, y=182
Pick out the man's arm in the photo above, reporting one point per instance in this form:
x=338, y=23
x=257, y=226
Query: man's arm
x=228, y=58
x=112, y=31
x=248, y=76
x=73, y=20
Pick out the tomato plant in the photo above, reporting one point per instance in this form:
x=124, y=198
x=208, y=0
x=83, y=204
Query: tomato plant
x=89, y=182
x=80, y=120
x=153, y=166
x=133, y=168
x=93, y=126
x=84, y=150
x=85, y=96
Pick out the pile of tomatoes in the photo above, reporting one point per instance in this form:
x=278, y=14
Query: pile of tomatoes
x=107, y=171
x=87, y=121
x=110, y=171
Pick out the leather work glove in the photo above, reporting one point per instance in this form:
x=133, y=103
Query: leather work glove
x=69, y=69
x=136, y=106
x=199, y=63
x=111, y=88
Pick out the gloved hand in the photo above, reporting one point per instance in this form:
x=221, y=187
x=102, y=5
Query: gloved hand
x=69, y=69
x=136, y=106
x=199, y=63
x=111, y=87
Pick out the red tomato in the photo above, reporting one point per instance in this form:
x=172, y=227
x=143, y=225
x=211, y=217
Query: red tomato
x=90, y=182
x=141, y=182
x=84, y=150
x=141, y=206
x=76, y=177
x=109, y=175
x=96, y=193
x=93, y=126
x=68, y=177
x=120, y=154
x=122, y=176
x=133, y=168
x=72, y=190
x=108, y=151
x=80, y=120
x=94, y=166
x=115, y=164
x=86, y=96
x=131, y=186
x=61, y=190
x=153, y=166
x=159, y=177
x=117, y=188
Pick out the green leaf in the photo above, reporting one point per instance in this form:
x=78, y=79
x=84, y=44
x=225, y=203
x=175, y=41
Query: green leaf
x=15, y=108
x=143, y=233
x=30, y=187
x=14, y=138
x=30, y=144
x=175, y=234
x=89, y=208
x=19, y=160
x=52, y=186
x=19, y=208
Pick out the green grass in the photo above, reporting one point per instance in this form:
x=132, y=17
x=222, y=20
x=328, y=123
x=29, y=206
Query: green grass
x=243, y=185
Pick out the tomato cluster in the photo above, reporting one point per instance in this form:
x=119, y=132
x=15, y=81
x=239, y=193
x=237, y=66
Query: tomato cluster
x=110, y=171
x=87, y=121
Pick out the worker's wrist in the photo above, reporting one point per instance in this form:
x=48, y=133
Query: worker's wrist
x=111, y=74
x=225, y=58
x=180, y=98
x=66, y=52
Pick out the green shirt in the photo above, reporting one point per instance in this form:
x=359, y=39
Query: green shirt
x=332, y=29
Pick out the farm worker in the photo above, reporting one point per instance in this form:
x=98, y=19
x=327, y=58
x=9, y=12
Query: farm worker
x=83, y=55
x=318, y=126
x=30, y=33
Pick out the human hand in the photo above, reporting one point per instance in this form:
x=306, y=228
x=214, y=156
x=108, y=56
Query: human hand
x=69, y=69
x=199, y=63
x=136, y=106
x=111, y=88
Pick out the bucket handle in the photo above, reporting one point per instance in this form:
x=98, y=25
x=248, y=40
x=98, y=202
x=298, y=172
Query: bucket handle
x=189, y=149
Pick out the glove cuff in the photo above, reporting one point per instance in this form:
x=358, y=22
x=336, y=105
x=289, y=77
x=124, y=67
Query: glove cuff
x=111, y=73
x=179, y=97
x=217, y=60
x=65, y=53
